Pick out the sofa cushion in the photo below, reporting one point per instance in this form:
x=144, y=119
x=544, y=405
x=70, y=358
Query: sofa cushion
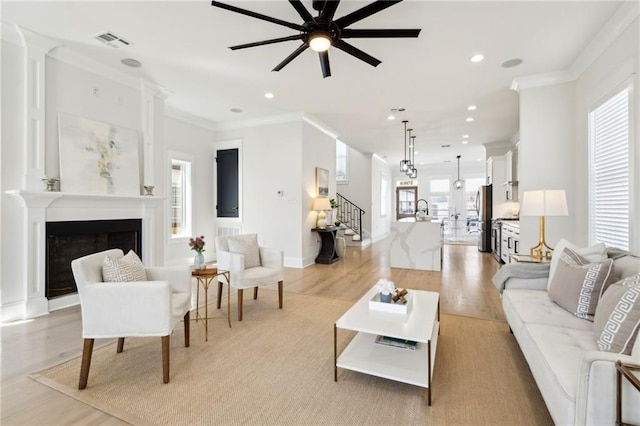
x=535, y=307
x=246, y=245
x=562, y=350
x=126, y=269
x=577, y=284
x=594, y=253
x=617, y=318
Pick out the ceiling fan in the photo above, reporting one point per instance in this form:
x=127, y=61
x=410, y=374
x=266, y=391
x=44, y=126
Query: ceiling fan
x=323, y=31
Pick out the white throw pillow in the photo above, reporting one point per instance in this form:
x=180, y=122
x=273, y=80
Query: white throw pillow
x=246, y=245
x=126, y=269
x=594, y=253
x=617, y=319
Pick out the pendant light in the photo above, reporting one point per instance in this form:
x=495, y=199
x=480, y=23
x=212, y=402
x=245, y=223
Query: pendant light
x=404, y=164
x=409, y=159
x=412, y=148
x=458, y=183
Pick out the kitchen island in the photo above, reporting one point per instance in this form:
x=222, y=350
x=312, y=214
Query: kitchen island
x=416, y=245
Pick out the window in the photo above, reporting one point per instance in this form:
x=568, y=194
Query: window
x=440, y=198
x=609, y=170
x=342, y=162
x=180, y=198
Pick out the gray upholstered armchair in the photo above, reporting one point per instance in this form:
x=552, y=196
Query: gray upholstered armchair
x=130, y=309
x=250, y=266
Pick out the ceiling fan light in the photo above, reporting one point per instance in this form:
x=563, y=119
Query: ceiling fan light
x=320, y=41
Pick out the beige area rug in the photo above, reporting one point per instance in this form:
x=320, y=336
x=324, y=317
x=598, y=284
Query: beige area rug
x=276, y=367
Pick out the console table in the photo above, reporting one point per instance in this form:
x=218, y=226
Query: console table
x=328, y=252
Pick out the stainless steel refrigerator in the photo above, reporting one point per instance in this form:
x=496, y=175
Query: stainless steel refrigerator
x=484, y=205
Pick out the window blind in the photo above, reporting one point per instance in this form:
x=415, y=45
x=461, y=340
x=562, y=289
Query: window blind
x=609, y=172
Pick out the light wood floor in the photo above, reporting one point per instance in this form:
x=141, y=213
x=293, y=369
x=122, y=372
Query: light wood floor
x=30, y=346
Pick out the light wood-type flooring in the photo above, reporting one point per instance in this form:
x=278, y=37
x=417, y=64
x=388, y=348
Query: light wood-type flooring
x=31, y=346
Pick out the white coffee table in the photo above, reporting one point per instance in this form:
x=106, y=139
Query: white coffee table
x=362, y=354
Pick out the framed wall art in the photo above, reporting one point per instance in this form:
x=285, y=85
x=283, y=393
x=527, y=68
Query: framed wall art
x=322, y=182
x=97, y=158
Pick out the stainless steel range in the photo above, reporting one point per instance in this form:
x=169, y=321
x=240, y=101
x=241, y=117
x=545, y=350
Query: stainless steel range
x=496, y=236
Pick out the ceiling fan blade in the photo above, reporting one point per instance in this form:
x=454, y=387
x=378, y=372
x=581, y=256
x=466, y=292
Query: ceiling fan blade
x=329, y=10
x=349, y=33
x=262, y=43
x=324, y=64
x=354, y=51
x=364, y=12
x=291, y=57
x=256, y=15
x=302, y=11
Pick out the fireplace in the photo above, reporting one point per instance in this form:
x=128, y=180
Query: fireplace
x=70, y=240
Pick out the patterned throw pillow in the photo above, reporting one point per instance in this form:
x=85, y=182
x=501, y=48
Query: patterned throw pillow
x=248, y=246
x=127, y=268
x=577, y=284
x=617, y=319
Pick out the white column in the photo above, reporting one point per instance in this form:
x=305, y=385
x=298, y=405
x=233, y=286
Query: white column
x=36, y=49
x=149, y=91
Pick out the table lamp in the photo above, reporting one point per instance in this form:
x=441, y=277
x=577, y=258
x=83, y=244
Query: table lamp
x=548, y=202
x=320, y=205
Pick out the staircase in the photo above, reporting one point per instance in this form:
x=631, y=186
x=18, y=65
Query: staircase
x=350, y=217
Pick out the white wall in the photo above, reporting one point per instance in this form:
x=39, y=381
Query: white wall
x=380, y=225
x=619, y=65
x=283, y=157
x=197, y=143
x=318, y=150
x=360, y=186
x=547, y=132
x=554, y=139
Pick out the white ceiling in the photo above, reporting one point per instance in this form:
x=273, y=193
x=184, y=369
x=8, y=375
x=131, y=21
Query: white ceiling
x=183, y=46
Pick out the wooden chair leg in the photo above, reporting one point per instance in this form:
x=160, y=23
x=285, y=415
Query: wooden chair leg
x=240, y=293
x=280, y=293
x=220, y=284
x=87, y=350
x=187, y=328
x=255, y=293
x=166, y=343
x=120, y=345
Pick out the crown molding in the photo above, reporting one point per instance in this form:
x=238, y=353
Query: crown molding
x=257, y=122
x=320, y=126
x=194, y=120
x=539, y=80
x=626, y=14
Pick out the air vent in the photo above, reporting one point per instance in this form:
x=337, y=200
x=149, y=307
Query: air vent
x=111, y=39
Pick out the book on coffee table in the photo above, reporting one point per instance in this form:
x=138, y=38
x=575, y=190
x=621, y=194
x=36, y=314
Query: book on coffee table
x=397, y=343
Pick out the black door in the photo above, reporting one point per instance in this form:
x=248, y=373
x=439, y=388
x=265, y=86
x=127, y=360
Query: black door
x=227, y=182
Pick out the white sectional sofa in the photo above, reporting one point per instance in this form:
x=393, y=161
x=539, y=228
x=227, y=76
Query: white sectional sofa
x=576, y=379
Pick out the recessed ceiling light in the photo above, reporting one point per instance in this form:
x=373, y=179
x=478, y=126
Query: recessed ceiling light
x=465, y=142
x=415, y=153
x=472, y=107
x=469, y=119
x=268, y=95
x=511, y=63
x=236, y=110
x=422, y=163
x=130, y=62
x=391, y=117
x=465, y=136
x=478, y=159
x=478, y=57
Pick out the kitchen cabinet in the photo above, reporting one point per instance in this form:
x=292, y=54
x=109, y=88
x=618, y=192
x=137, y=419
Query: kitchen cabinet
x=496, y=178
x=510, y=243
x=511, y=175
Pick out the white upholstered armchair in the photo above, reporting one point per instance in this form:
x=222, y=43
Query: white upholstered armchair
x=126, y=309
x=250, y=266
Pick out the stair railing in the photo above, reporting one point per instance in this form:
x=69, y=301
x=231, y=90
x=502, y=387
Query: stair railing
x=350, y=215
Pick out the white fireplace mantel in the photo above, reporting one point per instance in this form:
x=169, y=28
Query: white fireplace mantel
x=44, y=206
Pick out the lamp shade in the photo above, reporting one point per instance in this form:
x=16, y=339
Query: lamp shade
x=321, y=204
x=548, y=202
